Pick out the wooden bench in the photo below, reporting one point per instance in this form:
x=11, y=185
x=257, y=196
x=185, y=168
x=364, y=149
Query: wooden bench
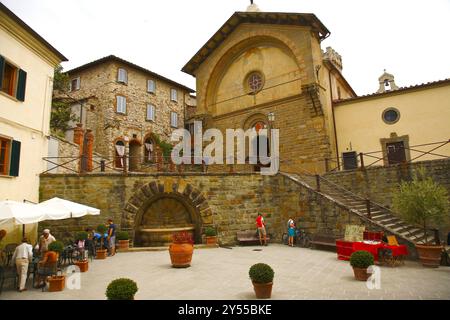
x=249, y=237
x=326, y=240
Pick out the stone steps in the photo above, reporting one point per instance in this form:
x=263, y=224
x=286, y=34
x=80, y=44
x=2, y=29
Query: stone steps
x=382, y=216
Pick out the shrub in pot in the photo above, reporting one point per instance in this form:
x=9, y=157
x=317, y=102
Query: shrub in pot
x=121, y=289
x=123, y=238
x=181, y=249
x=360, y=261
x=56, y=246
x=423, y=202
x=101, y=253
x=262, y=275
x=211, y=235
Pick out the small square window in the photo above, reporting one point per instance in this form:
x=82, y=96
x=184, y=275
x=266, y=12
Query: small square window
x=150, y=112
x=173, y=95
x=151, y=86
x=122, y=76
x=174, y=119
x=74, y=84
x=121, y=104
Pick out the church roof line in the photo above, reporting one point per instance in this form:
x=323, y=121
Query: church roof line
x=426, y=85
x=282, y=18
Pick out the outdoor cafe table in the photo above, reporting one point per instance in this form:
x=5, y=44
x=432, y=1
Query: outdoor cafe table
x=373, y=248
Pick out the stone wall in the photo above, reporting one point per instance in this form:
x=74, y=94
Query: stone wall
x=228, y=201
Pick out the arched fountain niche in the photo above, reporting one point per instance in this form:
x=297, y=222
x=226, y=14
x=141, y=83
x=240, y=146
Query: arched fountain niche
x=165, y=215
x=161, y=208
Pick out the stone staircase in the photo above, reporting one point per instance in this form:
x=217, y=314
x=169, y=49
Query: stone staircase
x=380, y=216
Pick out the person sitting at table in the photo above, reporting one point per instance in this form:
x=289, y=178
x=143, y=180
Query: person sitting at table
x=23, y=256
x=45, y=239
x=49, y=258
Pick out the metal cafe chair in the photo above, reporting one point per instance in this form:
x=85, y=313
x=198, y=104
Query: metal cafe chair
x=45, y=270
x=8, y=273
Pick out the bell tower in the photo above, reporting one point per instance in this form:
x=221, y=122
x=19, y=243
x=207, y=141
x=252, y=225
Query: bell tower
x=387, y=83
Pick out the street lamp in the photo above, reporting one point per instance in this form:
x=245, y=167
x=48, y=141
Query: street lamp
x=271, y=117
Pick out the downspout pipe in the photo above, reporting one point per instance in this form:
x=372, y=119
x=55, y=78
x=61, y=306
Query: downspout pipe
x=334, y=121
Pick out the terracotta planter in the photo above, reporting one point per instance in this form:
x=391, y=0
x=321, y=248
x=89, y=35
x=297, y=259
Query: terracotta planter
x=83, y=265
x=263, y=290
x=101, y=254
x=211, y=241
x=429, y=255
x=123, y=245
x=361, y=274
x=181, y=254
x=56, y=283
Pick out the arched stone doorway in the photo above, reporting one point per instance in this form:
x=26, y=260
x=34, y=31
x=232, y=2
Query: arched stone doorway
x=135, y=155
x=160, y=208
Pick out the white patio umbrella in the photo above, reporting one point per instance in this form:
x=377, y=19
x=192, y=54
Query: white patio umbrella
x=58, y=209
x=20, y=212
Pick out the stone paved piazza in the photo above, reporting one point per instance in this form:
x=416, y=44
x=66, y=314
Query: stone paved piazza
x=222, y=273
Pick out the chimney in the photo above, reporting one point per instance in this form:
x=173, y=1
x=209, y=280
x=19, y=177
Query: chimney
x=78, y=134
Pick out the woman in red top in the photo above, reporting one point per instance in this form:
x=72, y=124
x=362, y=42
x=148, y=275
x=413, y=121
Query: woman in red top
x=260, y=224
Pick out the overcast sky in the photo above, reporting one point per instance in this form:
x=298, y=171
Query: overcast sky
x=409, y=38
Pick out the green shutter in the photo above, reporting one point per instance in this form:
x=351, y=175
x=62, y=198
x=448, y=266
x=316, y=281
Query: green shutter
x=2, y=67
x=15, y=159
x=21, y=84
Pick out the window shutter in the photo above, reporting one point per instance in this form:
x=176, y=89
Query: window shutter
x=21, y=85
x=15, y=159
x=70, y=86
x=78, y=83
x=2, y=67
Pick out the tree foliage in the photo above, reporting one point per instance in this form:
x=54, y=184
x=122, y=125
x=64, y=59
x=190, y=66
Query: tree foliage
x=422, y=201
x=61, y=113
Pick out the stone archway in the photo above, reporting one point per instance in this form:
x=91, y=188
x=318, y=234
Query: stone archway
x=162, y=207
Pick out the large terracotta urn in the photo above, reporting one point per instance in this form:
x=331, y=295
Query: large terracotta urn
x=429, y=255
x=181, y=249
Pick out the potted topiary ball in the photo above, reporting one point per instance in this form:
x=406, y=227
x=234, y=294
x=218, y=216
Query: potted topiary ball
x=121, y=289
x=262, y=275
x=124, y=242
x=56, y=246
x=211, y=236
x=360, y=261
x=101, y=253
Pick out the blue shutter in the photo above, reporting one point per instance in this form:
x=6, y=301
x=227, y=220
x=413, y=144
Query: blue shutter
x=2, y=67
x=15, y=159
x=21, y=85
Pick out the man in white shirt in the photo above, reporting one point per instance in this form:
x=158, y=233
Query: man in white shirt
x=22, y=256
x=45, y=240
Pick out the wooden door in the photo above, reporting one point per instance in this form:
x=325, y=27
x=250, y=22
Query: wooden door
x=395, y=152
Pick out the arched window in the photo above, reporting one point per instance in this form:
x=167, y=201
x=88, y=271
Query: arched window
x=119, y=148
x=149, y=148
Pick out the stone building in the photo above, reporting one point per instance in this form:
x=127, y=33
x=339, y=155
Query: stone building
x=267, y=70
x=261, y=63
x=127, y=107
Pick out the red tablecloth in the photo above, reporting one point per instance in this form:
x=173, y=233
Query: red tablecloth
x=346, y=248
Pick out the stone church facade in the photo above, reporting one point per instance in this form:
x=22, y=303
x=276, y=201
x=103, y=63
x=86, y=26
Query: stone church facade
x=262, y=63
